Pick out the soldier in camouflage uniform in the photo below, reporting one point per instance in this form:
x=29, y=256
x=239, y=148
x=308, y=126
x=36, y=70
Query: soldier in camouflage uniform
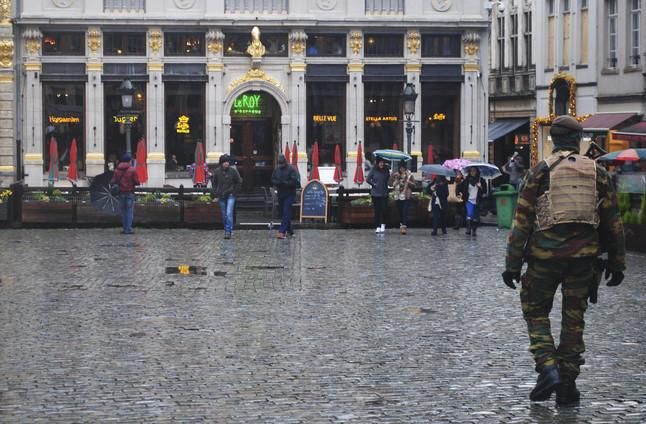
x=567, y=215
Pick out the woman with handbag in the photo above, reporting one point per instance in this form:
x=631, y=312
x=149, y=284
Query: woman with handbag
x=403, y=183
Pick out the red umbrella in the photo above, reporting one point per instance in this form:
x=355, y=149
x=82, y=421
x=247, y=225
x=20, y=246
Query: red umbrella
x=199, y=177
x=338, y=172
x=429, y=155
x=71, y=173
x=141, y=166
x=287, y=154
x=53, y=159
x=358, y=174
x=314, y=175
x=395, y=146
x=295, y=156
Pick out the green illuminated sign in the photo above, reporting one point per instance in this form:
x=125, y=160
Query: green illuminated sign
x=248, y=104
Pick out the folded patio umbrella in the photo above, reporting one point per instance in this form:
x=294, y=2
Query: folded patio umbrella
x=72, y=172
x=358, y=173
x=199, y=176
x=53, y=160
x=314, y=175
x=142, y=166
x=294, y=156
x=429, y=154
x=287, y=153
x=338, y=170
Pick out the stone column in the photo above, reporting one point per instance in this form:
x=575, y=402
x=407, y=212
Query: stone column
x=215, y=142
x=32, y=104
x=156, y=157
x=7, y=98
x=298, y=97
x=413, y=72
x=354, y=107
x=473, y=141
x=94, y=116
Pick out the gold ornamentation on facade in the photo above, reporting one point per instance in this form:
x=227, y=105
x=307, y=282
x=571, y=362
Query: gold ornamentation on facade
x=356, y=42
x=571, y=82
x=355, y=67
x=94, y=67
x=471, y=67
x=297, y=40
x=6, y=53
x=256, y=49
x=214, y=42
x=6, y=79
x=32, y=46
x=298, y=47
x=214, y=46
x=5, y=12
x=33, y=38
x=297, y=67
x=414, y=42
x=255, y=75
x=155, y=67
x=471, y=49
x=413, y=67
x=215, y=67
x=33, y=66
x=155, y=41
x=94, y=40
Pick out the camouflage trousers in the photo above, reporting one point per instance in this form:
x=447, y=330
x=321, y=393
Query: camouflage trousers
x=539, y=285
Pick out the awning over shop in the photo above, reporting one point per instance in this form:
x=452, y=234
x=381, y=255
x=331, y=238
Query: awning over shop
x=635, y=133
x=502, y=127
x=608, y=121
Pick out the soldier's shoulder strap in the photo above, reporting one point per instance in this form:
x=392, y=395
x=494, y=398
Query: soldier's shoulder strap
x=557, y=158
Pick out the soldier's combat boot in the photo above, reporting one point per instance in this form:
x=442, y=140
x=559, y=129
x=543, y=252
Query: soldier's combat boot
x=548, y=381
x=468, y=228
x=567, y=393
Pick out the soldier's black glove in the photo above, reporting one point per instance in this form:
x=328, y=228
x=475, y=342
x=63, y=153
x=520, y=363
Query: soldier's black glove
x=614, y=278
x=509, y=276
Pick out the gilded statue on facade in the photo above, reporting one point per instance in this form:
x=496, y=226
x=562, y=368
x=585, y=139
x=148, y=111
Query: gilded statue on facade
x=256, y=49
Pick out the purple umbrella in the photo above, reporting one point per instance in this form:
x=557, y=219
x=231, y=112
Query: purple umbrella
x=456, y=164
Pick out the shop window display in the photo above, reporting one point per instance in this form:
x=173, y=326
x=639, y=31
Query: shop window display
x=183, y=44
x=124, y=44
x=440, y=121
x=184, y=108
x=384, y=45
x=326, y=120
x=115, y=126
x=64, y=118
x=63, y=43
x=382, y=105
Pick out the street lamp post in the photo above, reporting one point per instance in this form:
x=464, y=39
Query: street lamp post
x=127, y=90
x=409, y=96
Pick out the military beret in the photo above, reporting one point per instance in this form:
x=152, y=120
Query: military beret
x=567, y=122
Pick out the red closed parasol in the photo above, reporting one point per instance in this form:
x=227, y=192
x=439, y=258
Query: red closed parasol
x=294, y=156
x=314, y=175
x=358, y=173
x=338, y=171
x=72, y=172
x=429, y=154
x=53, y=160
x=288, y=155
x=142, y=166
x=199, y=176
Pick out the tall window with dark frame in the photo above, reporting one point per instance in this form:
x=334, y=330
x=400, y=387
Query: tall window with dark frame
x=441, y=45
x=551, y=29
x=326, y=119
x=384, y=45
x=611, y=10
x=64, y=115
x=529, y=58
x=565, y=24
x=326, y=45
x=124, y=43
x=63, y=43
x=635, y=22
x=501, y=43
x=583, y=32
x=513, y=36
x=184, y=44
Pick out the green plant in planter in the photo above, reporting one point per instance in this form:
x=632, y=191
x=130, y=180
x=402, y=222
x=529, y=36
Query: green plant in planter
x=165, y=199
x=630, y=217
x=205, y=199
x=56, y=196
x=641, y=219
x=623, y=201
x=5, y=195
x=361, y=201
x=147, y=198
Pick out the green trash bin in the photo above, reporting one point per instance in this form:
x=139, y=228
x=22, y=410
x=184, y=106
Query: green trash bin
x=506, y=198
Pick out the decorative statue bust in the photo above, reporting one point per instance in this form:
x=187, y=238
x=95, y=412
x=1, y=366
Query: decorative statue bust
x=256, y=49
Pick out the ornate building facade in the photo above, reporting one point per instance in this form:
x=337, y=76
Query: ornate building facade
x=247, y=78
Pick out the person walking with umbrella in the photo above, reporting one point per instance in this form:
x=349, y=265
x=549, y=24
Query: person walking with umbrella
x=226, y=184
x=439, y=190
x=403, y=182
x=473, y=189
x=378, y=180
x=286, y=180
x=126, y=177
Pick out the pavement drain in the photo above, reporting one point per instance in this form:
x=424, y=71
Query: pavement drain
x=220, y=273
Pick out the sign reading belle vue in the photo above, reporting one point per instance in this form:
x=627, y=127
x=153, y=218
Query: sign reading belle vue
x=314, y=201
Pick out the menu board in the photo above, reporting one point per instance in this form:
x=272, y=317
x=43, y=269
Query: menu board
x=314, y=201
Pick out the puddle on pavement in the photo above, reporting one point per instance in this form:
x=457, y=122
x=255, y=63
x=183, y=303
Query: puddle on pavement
x=418, y=310
x=265, y=267
x=186, y=270
x=220, y=274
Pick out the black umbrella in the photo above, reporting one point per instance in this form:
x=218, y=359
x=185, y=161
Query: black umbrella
x=100, y=195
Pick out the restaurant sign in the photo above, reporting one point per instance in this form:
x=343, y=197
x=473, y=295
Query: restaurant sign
x=323, y=118
x=248, y=105
x=381, y=119
x=63, y=119
x=183, y=126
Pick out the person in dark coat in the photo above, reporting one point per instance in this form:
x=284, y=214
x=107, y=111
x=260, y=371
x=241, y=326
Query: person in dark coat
x=126, y=176
x=378, y=180
x=439, y=191
x=226, y=184
x=286, y=180
x=473, y=190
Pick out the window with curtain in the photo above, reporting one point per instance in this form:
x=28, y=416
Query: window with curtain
x=635, y=22
x=611, y=10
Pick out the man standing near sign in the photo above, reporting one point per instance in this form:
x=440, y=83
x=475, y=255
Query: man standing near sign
x=286, y=180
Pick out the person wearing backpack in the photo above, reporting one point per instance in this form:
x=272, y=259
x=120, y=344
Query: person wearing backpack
x=125, y=176
x=286, y=180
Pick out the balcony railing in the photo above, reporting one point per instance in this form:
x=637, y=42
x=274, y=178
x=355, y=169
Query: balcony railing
x=256, y=6
x=124, y=5
x=384, y=7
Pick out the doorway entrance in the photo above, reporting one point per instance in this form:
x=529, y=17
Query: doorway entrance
x=255, y=137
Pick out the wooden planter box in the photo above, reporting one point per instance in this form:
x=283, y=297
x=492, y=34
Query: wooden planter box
x=4, y=211
x=355, y=215
x=86, y=213
x=156, y=213
x=37, y=212
x=197, y=213
x=418, y=215
x=635, y=237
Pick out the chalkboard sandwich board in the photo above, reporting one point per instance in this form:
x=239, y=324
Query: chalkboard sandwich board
x=314, y=201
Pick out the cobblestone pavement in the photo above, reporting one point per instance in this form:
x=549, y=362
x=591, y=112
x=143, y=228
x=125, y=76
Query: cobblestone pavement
x=330, y=326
